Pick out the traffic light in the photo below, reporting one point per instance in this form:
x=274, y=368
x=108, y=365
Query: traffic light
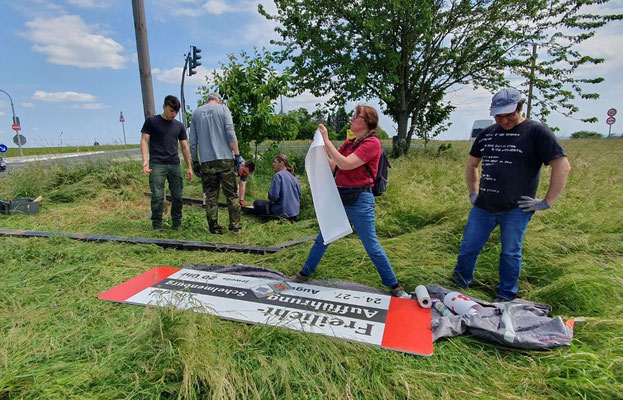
x=193, y=62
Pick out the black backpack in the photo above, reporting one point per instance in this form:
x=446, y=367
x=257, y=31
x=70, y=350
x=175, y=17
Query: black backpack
x=382, y=172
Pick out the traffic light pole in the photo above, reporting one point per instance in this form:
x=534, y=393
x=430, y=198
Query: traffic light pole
x=19, y=142
x=182, y=100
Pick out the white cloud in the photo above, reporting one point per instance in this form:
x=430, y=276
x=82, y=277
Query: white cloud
x=174, y=75
x=28, y=105
x=89, y=106
x=68, y=40
x=58, y=97
x=469, y=99
x=305, y=100
x=2, y=114
x=217, y=7
x=88, y=3
x=260, y=32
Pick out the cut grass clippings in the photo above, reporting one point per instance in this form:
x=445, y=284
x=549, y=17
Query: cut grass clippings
x=57, y=340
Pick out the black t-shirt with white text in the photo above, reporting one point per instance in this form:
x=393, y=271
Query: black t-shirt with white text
x=511, y=162
x=163, y=138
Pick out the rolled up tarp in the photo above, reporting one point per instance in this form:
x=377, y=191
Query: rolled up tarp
x=422, y=296
x=330, y=212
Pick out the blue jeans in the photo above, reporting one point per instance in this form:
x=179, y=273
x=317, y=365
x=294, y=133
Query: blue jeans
x=361, y=215
x=480, y=223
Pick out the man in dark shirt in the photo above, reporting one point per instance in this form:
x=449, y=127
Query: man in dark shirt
x=159, y=137
x=511, y=152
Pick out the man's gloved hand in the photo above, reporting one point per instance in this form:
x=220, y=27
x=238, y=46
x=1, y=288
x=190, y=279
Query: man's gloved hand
x=472, y=198
x=239, y=160
x=528, y=204
x=242, y=202
x=197, y=168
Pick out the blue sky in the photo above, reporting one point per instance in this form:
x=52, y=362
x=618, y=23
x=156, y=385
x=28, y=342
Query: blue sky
x=71, y=66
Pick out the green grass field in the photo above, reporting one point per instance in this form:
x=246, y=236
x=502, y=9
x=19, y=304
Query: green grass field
x=57, y=340
x=38, y=151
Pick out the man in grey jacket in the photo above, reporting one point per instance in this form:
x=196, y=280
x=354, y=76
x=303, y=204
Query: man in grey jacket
x=214, y=150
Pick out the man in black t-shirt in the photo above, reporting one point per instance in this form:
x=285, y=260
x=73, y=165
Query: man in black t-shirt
x=159, y=137
x=511, y=152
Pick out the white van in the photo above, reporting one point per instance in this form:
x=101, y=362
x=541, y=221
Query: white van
x=479, y=126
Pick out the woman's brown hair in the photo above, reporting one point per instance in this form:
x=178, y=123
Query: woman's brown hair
x=371, y=116
x=284, y=159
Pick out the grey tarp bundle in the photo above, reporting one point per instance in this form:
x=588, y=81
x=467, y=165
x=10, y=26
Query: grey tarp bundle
x=518, y=323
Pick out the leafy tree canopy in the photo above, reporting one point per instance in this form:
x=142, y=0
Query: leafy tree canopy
x=409, y=54
x=249, y=85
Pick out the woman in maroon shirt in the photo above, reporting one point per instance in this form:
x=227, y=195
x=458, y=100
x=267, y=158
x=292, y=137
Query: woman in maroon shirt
x=353, y=180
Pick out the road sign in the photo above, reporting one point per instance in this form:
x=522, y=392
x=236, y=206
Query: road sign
x=3, y=148
x=121, y=119
x=611, y=120
x=19, y=140
x=374, y=319
x=612, y=112
x=16, y=127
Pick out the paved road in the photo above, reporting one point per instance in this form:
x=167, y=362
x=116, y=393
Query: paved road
x=15, y=163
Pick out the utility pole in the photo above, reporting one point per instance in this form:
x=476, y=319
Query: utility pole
x=531, y=80
x=144, y=66
x=15, y=121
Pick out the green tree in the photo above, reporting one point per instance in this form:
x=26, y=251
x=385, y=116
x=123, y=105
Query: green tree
x=586, y=135
x=306, y=126
x=410, y=53
x=249, y=85
x=338, y=119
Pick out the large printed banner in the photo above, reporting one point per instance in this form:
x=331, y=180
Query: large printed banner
x=380, y=320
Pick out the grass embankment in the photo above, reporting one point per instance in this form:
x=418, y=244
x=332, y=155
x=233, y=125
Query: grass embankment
x=57, y=340
x=38, y=151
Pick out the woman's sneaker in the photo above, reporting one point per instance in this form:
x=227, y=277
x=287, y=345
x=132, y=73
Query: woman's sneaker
x=398, y=291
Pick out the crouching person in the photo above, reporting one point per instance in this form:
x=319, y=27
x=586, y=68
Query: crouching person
x=284, y=195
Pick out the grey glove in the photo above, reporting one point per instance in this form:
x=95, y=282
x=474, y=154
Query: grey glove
x=528, y=204
x=473, y=197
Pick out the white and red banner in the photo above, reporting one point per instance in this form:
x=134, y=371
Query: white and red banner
x=380, y=320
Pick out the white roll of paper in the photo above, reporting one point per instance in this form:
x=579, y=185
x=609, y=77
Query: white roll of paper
x=461, y=304
x=330, y=212
x=422, y=296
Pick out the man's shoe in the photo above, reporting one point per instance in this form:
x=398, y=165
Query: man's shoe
x=398, y=291
x=234, y=229
x=216, y=231
x=455, y=280
x=176, y=226
x=298, y=278
x=157, y=227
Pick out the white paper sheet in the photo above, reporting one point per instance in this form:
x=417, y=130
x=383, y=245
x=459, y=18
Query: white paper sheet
x=327, y=203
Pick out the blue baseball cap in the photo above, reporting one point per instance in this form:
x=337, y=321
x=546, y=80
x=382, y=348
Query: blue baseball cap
x=505, y=101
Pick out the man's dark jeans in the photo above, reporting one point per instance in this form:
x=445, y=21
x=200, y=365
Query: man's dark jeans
x=159, y=174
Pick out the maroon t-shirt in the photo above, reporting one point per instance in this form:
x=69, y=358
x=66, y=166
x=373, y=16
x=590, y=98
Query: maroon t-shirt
x=369, y=151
